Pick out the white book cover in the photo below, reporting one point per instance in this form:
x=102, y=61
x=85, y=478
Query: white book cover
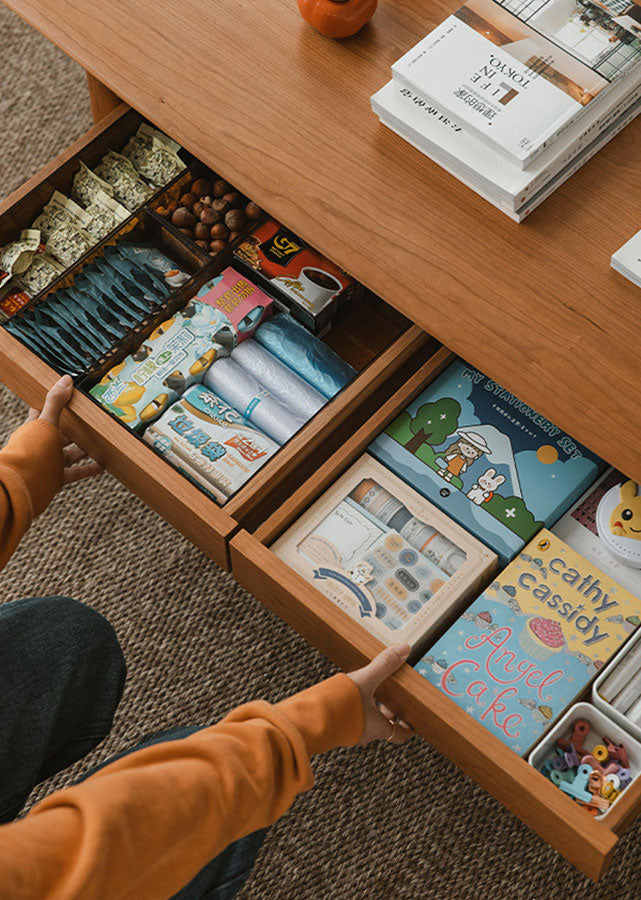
x=627, y=259
x=430, y=128
x=555, y=182
x=519, y=72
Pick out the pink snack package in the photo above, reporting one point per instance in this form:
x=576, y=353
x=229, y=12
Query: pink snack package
x=244, y=304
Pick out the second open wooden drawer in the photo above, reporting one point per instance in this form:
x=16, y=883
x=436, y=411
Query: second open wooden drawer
x=585, y=842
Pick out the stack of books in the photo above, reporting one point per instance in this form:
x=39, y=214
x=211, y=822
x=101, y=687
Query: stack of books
x=513, y=96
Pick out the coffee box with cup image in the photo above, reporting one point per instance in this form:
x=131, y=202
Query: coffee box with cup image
x=310, y=285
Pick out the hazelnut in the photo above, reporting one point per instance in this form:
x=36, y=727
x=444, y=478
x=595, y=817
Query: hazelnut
x=197, y=208
x=233, y=198
x=253, y=211
x=204, y=245
x=220, y=205
x=188, y=200
x=219, y=232
x=209, y=216
x=183, y=218
x=201, y=187
x=187, y=232
x=220, y=187
x=235, y=219
x=216, y=246
x=201, y=232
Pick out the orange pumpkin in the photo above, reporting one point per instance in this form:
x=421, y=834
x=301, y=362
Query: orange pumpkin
x=337, y=18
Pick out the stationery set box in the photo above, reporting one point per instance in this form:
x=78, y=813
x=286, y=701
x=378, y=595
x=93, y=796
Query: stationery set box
x=518, y=74
x=385, y=555
x=488, y=460
x=532, y=642
x=309, y=284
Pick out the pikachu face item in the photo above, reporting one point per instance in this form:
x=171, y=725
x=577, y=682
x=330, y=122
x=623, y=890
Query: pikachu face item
x=618, y=520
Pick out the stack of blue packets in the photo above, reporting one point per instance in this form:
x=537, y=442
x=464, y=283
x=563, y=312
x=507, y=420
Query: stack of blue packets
x=74, y=327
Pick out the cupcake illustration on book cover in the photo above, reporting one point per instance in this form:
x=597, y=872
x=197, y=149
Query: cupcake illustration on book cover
x=533, y=640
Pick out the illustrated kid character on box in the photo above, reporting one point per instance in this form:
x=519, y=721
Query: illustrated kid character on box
x=487, y=459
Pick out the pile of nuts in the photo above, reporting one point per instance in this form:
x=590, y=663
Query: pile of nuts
x=211, y=213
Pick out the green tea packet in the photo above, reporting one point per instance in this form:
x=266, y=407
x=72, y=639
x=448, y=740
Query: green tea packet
x=86, y=185
x=67, y=243
x=58, y=211
x=16, y=257
x=154, y=155
x=43, y=270
x=105, y=214
x=128, y=187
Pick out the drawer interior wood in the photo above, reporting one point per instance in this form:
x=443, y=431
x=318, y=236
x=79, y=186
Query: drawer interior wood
x=585, y=842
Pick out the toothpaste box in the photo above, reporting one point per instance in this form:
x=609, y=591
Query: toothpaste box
x=532, y=641
x=242, y=302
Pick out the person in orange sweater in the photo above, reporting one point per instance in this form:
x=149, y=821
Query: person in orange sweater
x=182, y=815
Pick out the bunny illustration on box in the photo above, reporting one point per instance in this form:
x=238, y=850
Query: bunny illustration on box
x=482, y=491
x=486, y=458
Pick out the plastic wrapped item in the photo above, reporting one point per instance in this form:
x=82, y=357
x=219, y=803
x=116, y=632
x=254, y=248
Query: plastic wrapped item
x=281, y=382
x=210, y=442
x=240, y=389
x=305, y=354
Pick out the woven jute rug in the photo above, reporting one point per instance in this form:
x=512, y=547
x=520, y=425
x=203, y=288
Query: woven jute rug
x=381, y=822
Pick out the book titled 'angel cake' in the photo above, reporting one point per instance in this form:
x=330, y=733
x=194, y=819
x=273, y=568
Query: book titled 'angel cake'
x=533, y=640
x=486, y=458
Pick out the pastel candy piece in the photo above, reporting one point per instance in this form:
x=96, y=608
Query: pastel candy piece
x=625, y=776
x=595, y=782
x=598, y=802
x=589, y=760
x=579, y=787
x=617, y=751
x=558, y=778
x=600, y=753
x=614, y=780
x=580, y=730
x=571, y=757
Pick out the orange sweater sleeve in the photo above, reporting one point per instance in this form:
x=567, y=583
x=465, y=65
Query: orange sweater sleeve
x=143, y=826
x=31, y=472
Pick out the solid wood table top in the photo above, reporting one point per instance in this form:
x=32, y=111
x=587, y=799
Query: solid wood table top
x=283, y=113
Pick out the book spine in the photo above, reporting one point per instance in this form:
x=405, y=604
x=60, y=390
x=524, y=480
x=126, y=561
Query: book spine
x=581, y=142
x=554, y=135
x=597, y=145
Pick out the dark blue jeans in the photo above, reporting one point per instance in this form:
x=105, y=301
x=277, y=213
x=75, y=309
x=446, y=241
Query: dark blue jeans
x=63, y=673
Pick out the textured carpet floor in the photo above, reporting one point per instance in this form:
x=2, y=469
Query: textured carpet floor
x=381, y=822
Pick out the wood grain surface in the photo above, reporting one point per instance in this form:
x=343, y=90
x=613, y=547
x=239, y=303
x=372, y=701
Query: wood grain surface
x=283, y=113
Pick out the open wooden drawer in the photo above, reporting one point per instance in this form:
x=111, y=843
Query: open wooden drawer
x=380, y=343
x=585, y=842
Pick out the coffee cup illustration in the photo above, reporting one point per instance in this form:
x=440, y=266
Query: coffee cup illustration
x=319, y=286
